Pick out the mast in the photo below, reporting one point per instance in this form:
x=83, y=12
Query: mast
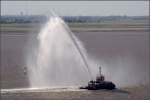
x=100, y=71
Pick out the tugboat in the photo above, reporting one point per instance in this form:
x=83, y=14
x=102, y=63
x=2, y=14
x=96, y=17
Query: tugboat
x=99, y=83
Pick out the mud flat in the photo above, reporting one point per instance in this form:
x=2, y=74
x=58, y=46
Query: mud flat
x=77, y=27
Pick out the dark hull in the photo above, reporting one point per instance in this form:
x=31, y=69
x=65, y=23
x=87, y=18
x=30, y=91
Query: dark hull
x=100, y=85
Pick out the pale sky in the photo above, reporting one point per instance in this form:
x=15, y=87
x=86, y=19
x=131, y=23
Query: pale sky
x=76, y=8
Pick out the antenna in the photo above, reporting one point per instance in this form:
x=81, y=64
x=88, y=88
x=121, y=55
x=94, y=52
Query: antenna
x=100, y=71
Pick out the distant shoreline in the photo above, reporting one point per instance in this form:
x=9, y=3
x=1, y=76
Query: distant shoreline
x=80, y=30
x=111, y=29
x=75, y=27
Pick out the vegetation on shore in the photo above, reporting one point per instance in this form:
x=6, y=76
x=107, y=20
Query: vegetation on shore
x=76, y=23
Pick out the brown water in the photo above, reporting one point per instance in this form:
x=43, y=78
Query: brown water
x=123, y=55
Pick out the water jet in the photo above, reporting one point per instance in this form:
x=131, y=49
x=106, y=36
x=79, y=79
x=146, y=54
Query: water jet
x=60, y=58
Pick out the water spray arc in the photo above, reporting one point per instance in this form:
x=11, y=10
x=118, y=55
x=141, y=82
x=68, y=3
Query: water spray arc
x=59, y=58
x=81, y=53
x=77, y=46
